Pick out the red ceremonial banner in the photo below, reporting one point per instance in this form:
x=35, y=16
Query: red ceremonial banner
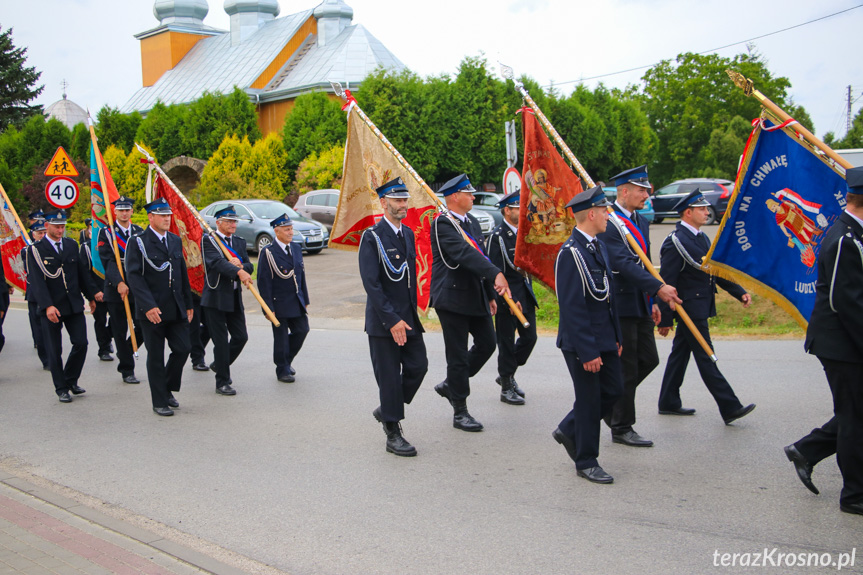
x=548, y=183
x=11, y=244
x=185, y=225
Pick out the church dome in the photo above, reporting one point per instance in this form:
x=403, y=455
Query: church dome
x=259, y=6
x=181, y=11
x=67, y=112
x=334, y=9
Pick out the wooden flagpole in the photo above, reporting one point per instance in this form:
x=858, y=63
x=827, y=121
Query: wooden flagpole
x=354, y=106
x=748, y=88
x=107, y=206
x=251, y=287
x=507, y=73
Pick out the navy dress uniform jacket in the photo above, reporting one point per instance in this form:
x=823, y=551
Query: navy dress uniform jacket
x=387, y=301
x=578, y=308
x=836, y=326
x=285, y=297
x=221, y=274
x=109, y=262
x=168, y=289
x=696, y=288
x=468, y=288
x=500, y=248
x=63, y=292
x=631, y=280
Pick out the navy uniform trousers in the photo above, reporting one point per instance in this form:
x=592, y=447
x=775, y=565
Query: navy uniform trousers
x=221, y=324
x=399, y=371
x=65, y=375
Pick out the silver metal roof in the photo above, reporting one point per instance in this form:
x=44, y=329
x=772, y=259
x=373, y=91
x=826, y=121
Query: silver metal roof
x=213, y=64
x=67, y=112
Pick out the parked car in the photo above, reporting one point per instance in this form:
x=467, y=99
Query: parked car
x=646, y=211
x=487, y=202
x=319, y=205
x=715, y=191
x=254, y=224
x=486, y=221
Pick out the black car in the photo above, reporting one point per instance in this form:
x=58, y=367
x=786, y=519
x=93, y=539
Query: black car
x=715, y=191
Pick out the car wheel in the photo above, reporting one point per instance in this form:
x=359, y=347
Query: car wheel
x=314, y=252
x=263, y=241
x=657, y=220
x=711, y=215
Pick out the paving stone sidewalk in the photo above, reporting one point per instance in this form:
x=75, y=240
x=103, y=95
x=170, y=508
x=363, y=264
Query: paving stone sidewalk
x=44, y=533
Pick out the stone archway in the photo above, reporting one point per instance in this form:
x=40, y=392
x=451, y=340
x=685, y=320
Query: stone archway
x=185, y=172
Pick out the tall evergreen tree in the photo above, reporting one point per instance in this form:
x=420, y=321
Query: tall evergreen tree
x=17, y=83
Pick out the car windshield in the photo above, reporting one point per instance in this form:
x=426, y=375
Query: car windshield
x=272, y=210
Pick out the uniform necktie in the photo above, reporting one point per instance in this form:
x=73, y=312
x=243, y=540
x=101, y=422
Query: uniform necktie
x=165, y=243
x=59, y=246
x=598, y=253
x=288, y=249
x=401, y=238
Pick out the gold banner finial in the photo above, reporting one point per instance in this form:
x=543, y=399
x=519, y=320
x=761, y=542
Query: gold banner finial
x=741, y=82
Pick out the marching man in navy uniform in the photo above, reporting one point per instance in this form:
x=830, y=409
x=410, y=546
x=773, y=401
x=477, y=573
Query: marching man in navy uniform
x=101, y=318
x=512, y=353
x=117, y=290
x=37, y=232
x=588, y=333
x=222, y=300
x=282, y=285
x=57, y=276
x=387, y=262
x=463, y=285
x=159, y=282
x=634, y=290
x=680, y=259
x=835, y=337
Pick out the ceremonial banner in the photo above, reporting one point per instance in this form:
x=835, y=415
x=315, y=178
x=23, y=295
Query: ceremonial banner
x=785, y=198
x=185, y=225
x=544, y=223
x=11, y=244
x=369, y=165
x=97, y=206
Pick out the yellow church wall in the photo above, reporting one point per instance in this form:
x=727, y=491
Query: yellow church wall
x=309, y=27
x=162, y=52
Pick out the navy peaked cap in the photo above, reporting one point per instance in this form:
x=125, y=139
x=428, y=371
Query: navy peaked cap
x=591, y=198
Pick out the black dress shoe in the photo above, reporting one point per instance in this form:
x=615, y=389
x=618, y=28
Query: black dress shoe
x=743, y=411
x=130, y=378
x=376, y=413
x=77, y=390
x=442, y=390
x=562, y=439
x=201, y=367
x=631, y=438
x=677, y=411
x=287, y=378
x=46, y=368
x=855, y=508
x=163, y=411
x=65, y=397
x=173, y=402
x=463, y=420
x=106, y=357
x=226, y=390
x=292, y=370
x=515, y=386
x=212, y=366
x=803, y=467
x=595, y=474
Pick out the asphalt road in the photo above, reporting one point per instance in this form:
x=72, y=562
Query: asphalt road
x=296, y=476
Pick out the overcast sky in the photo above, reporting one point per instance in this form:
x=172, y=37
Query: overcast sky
x=90, y=43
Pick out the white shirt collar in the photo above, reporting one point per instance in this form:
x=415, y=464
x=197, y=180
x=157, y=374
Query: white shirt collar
x=690, y=228
x=859, y=221
x=281, y=245
x=585, y=234
x=223, y=236
x=459, y=216
x=623, y=210
x=512, y=227
x=126, y=230
x=158, y=235
x=393, y=227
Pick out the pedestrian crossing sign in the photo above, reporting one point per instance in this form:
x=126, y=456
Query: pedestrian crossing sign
x=61, y=165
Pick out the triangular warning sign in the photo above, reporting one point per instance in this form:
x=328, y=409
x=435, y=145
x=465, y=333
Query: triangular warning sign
x=61, y=165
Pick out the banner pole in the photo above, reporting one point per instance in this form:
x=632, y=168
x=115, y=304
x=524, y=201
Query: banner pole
x=107, y=205
x=507, y=73
x=352, y=105
x=251, y=287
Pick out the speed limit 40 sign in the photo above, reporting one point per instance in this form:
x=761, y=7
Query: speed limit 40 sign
x=62, y=192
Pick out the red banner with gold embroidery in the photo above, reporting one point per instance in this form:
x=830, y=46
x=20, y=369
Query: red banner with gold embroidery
x=12, y=242
x=185, y=225
x=548, y=183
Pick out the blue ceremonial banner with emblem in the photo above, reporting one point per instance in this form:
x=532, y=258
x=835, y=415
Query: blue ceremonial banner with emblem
x=785, y=198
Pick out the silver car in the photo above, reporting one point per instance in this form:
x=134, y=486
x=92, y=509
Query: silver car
x=319, y=205
x=254, y=225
